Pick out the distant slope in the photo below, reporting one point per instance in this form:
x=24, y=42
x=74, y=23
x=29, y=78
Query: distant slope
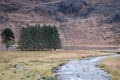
x=79, y=21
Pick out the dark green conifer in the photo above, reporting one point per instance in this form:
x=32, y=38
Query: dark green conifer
x=7, y=37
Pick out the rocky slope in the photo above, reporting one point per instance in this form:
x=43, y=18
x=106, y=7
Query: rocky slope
x=79, y=21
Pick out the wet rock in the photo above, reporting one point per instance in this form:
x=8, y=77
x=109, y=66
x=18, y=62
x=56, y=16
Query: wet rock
x=55, y=69
x=78, y=75
x=50, y=78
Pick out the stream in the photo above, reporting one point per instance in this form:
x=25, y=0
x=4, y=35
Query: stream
x=84, y=69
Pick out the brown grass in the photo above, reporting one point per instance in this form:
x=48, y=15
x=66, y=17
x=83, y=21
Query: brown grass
x=112, y=66
x=36, y=63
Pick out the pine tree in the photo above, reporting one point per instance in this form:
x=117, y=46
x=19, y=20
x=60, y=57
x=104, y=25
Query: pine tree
x=24, y=39
x=56, y=42
x=8, y=37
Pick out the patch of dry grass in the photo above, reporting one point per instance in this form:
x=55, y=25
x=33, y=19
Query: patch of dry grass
x=29, y=65
x=112, y=66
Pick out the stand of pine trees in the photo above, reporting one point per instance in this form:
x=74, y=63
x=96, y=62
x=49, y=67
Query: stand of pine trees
x=39, y=38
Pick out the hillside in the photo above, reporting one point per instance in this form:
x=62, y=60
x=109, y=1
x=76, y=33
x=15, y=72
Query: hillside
x=78, y=21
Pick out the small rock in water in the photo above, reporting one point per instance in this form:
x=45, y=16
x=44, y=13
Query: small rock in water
x=78, y=75
x=98, y=73
x=84, y=70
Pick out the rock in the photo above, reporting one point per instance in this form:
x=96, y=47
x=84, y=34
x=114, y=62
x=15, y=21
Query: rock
x=19, y=67
x=41, y=78
x=14, y=65
x=78, y=75
x=50, y=78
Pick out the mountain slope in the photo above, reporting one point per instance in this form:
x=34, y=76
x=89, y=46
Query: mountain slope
x=79, y=21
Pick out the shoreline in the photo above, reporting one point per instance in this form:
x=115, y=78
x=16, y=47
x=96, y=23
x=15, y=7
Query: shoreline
x=62, y=74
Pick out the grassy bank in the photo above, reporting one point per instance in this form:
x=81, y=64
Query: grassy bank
x=112, y=66
x=29, y=65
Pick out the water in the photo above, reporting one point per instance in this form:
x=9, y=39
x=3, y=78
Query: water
x=84, y=69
